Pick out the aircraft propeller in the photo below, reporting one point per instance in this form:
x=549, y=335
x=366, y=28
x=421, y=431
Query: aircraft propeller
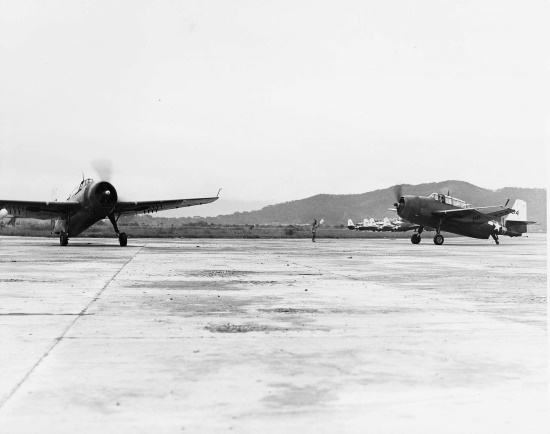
x=103, y=169
x=397, y=192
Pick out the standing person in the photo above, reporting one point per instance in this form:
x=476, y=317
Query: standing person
x=314, y=227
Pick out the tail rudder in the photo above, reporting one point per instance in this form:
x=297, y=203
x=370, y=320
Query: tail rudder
x=351, y=226
x=516, y=222
x=520, y=211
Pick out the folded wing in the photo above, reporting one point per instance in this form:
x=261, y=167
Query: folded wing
x=486, y=213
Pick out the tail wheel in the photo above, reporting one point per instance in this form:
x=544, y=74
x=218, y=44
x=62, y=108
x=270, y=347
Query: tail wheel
x=438, y=239
x=63, y=238
x=123, y=239
x=415, y=239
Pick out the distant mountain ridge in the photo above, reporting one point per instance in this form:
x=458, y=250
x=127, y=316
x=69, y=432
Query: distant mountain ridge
x=336, y=209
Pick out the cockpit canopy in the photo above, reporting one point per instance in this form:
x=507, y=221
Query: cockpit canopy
x=83, y=184
x=449, y=200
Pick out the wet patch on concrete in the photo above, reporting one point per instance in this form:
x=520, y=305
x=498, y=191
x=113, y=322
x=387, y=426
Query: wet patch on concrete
x=51, y=260
x=16, y=280
x=527, y=299
x=212, y=304
x=241, y=328
x=44, y=314
x=255, y=282
x=219, y=273
x=350, y=311
x=196, y=285
x=291, y=310
x=216, y=285
x=29, y=280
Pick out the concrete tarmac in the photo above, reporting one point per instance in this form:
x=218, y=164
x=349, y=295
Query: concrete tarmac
x=270, y=336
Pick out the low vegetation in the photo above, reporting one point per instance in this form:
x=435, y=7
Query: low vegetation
x=152, y=228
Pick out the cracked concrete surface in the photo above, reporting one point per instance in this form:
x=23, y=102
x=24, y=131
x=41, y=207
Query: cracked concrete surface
x=172, y=336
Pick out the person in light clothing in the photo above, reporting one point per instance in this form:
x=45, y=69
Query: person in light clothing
x=314, y=227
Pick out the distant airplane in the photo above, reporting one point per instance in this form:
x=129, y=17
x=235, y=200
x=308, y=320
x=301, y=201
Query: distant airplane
x=400, y=225
x=89, y=203
x=446, y=213
x=370, y=225
x=386, y=225
x=367, y=225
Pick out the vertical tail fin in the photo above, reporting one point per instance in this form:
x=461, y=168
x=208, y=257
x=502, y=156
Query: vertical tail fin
x=351, y=226
x=520, y=208
x=516, y=222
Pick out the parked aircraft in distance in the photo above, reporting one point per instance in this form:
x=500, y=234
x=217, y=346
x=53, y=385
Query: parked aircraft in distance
x=400, y=225
x=89, y=203
x=367, y=225
x=386, y=225
x=445, y=213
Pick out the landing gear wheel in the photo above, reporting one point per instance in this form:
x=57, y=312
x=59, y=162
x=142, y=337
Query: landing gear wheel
x=63, y=238
x=123, y=239
x=415, y=239
x=438, y=239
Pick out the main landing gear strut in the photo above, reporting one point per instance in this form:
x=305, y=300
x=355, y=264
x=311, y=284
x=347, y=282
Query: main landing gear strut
x=122, y=237
x=63, y=238
x=495, y=237
x=438, y=238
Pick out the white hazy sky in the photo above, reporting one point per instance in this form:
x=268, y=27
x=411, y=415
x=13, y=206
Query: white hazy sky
x=272, y=100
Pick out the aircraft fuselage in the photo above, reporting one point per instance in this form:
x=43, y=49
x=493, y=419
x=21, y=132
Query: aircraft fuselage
x=97, y=200
x=419, y=210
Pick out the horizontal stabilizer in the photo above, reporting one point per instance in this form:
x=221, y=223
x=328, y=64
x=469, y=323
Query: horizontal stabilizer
x=518, y=222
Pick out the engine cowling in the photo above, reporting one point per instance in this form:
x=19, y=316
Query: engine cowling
x=102, y=198
x=408, y=207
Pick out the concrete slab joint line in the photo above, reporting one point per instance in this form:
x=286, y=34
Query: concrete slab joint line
x=60, y=338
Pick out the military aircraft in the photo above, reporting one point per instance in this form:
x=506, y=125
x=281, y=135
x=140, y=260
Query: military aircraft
x=400, y=225
x=367, y=225
x=89, y=203
x=445, y=213
x=385, y=225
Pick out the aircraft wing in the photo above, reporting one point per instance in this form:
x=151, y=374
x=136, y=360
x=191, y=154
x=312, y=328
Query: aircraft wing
x=159, y=205
x=486, y=213
x=38, y=210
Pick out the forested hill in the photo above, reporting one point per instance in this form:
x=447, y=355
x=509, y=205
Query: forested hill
x=337, y=209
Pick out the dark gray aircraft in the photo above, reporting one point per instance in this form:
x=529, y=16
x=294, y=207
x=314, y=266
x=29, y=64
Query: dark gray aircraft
x=446, y=213
x=89, y=203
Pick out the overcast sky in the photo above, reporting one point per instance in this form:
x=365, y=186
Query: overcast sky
x=272, y=100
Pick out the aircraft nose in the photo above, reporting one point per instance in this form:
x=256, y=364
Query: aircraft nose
x=400, y=205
